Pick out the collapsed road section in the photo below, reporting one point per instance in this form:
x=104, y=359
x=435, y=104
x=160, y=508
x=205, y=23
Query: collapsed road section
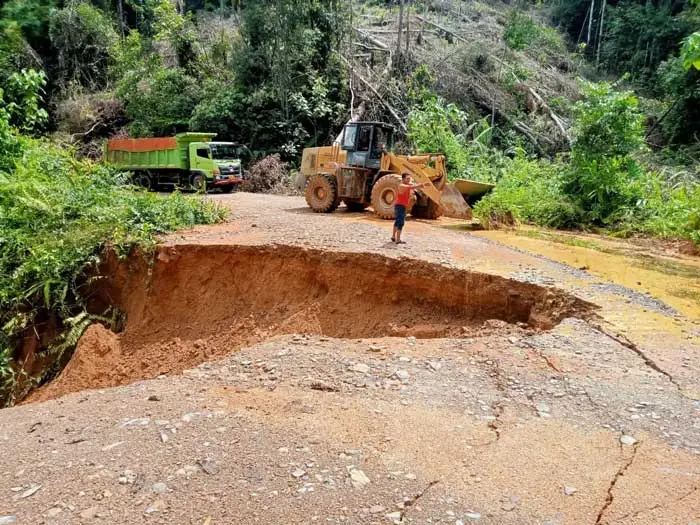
x=188, y=304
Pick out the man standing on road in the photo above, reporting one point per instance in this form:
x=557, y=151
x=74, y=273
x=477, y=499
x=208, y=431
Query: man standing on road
x=403, y=196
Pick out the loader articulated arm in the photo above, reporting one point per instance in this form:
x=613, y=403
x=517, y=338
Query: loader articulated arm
x=417, y=166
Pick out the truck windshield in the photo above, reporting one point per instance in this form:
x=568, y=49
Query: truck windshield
x=223, y=151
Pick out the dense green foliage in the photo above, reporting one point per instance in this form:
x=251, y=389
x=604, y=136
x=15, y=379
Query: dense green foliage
x=57, y=214
x=602, y=176
x=644, y=39
x=601, y=184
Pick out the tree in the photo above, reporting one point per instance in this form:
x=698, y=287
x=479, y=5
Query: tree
x=607, y=131
x=286, y=47
x=690, y=51
x=82, y=37
x=162, y=104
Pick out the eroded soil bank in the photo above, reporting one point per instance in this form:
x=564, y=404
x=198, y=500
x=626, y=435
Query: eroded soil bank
x=192, y=303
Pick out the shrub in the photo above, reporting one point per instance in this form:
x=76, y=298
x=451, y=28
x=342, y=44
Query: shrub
x=83, y=37
x=670, y=212
x=23, y=100
x=602, y=177
x=521, y=30
x=432, y=129
x=529, y=191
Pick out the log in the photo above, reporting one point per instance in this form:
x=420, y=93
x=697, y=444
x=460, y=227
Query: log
x=392, y=31
x=441, y=28
x=381, y=45
x=376, y=93
x=555, y=118
x=522, y=128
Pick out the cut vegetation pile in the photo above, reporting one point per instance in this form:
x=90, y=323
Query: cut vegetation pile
x=269, y=175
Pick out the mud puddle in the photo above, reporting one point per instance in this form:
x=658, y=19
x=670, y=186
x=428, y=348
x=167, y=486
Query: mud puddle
x=194, y=303
x=672, y=278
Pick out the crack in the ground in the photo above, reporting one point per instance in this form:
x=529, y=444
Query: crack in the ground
x=546, y=359
x=657, y=506
x=409, y=503
x=590, y=399
x=493, y=425
x=620, y=472
x=621, y=339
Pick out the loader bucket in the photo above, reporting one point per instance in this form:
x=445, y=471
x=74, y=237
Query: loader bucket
x=458, y=197
x=472, y=190
x=453, y=204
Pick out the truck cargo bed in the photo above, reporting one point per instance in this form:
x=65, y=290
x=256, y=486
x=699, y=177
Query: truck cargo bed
x=153, y=153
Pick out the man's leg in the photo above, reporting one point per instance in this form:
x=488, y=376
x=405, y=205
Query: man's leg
x=396, y=224
x=400, y=219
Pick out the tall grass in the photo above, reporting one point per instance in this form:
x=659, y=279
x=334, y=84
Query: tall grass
x=57, y=215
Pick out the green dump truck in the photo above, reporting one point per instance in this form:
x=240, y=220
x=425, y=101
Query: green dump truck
x=187, y=160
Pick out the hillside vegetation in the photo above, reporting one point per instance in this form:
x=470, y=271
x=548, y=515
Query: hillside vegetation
x=57, y=215
x=586, y=113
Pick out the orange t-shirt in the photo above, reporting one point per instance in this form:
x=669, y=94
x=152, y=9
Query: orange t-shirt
x=403, y=195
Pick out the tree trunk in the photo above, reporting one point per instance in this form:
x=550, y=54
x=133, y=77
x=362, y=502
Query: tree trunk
x=120, y=10
x=600, y=33
x=590, y=23
x=408, y=26
x=493, y=101
x=398, y=45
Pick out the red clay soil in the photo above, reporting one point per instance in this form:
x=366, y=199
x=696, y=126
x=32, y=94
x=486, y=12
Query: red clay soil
x=194, y=303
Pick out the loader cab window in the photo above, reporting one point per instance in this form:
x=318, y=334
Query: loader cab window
x=363, y=140
x=349, y=137
x=203, y=153
x=381, y=141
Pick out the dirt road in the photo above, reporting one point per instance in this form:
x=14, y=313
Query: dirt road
x=343, y=379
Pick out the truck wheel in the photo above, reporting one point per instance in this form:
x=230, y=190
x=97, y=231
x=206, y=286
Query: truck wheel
x=431, y=211
x=322, y=193
x=143, y=179
x=355, y=206
x=227, y=189
x=198, y=182
x=384, y=194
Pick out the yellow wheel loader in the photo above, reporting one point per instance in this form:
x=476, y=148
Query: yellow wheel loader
x=362, y=171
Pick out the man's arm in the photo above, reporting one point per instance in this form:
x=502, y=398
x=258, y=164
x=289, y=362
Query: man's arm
x=416, y=186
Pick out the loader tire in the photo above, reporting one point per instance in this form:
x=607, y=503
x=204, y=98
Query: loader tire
x=384, y=194
x=355, y=206
x=431, y=211
x=322, y=193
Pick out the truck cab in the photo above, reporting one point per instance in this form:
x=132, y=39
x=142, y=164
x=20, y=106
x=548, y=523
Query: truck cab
x=216, y=164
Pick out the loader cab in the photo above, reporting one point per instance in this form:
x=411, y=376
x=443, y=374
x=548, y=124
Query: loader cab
x=365, y=142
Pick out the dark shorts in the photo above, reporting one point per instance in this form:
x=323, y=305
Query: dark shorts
x=400, y=216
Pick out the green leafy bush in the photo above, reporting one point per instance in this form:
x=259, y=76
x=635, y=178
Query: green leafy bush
x=602, y=174
x=529, y=191
x=22, y=100
x=57, y=214
x=432, y=129
x=670, y=211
